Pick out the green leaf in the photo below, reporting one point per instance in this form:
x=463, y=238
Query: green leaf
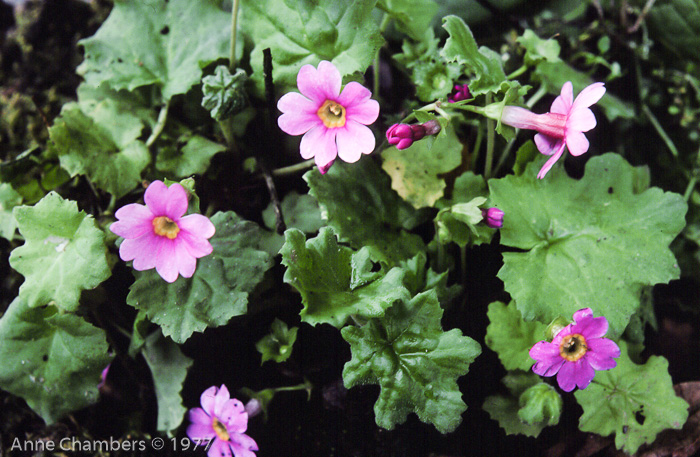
x=506, y=409
x=554, y=75
x=108, y=154
x=277, y=345
x=639, y=402
x=511, y=337
x=587, y=243
x=537, y=49
x=415, y=363
x=8, y=200
x=159, y=42
x=224, y=94
x=540, y=404
x=192, y=158
x=300, y=211
x=676, y=25
x=216, y=292
x=412, y=17
x=169, y=369
x=469, y=192
x=53, y=360
x=306, y=32
x=415, y=171
x=323, y=272
x=485, y=64
x=63, y=254
x=357, y=201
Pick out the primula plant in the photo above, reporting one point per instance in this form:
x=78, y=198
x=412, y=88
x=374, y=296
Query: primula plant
x=260, y=228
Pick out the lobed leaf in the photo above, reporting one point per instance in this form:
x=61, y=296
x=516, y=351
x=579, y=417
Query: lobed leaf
x=9, y=198
x=511, y=337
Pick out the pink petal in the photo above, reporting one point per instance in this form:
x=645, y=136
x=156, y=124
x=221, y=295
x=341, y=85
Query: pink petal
x=591, y=327
x=197, y=225
x=234, y=416
x=601, y=353
x=199, y=416
x=353, y=140
x=201, y=433
x=319, y=142
x=521, y=118
x=141, y=250
x=589, y=96
x=577, y=143
x=581, y=120
x=166, y=260
x=547, y=145
x=295, y=103
x=222, y=397
x=299, y=114
x=197, y=247
x=166, y=201
x=207, y=400
x=319, y=85
x=358, y=106
x=550, y=163
x=562, y=104
x=582, y=314
x=220, y=449
x=583, y=373
x=548, y=359
x=185, y=262
x=243, y=445
x=133, y=221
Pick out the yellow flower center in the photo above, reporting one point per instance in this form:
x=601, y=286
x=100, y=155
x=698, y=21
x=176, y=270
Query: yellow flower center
x=220, y=429
x=573, y=347
x=332, y=114
x=164, y=226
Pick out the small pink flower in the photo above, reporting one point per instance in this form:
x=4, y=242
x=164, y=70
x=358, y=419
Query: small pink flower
x=158, y=236
x=333, y=122
x=562, y=126
x=223, y=420
x=493, y=217
x=576, y=351
x=403, y=135
x=459, y=93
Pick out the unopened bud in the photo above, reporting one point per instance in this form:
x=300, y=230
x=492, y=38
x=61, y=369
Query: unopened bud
x=493, y=217
x=459, y=93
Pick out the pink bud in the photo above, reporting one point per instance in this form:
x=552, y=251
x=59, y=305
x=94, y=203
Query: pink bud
x=459, y=93
x=493, y=217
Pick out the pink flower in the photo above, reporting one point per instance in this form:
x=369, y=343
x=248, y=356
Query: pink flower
x=459, y=93
x=493, y=217
x=576, y=351
x=158, y=236
x=333, y=123
x=403, y=135
x=562, y=126
x=223, y=420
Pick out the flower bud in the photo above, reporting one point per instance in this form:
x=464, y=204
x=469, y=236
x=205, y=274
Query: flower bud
x=400, y=135
x=459, y=93
x=493, y=217
x=540, y=404
x=253, y=407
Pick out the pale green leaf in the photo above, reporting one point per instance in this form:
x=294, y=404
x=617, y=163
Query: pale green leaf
x=415, y=363
x=169, y=369
x=413, y=17
x=537, y=49
x=639, y=402
x=63, y=254
x=511, y=337
x=156, y=42
x=193, y=157
x=51, y=359
x=9, y=198
x=586, y=243
x=223, y=93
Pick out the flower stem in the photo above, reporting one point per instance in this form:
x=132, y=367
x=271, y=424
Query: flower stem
x=234, y=29
x=691, y=187
x=301, y=166
x=160, y=124
x=375, y=65
x=477, y=145
x=660, y=130
x=517, y=72
x=541, y=92
x=490, y=142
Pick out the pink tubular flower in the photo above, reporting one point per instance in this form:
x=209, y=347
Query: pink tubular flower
x=223, y=420
x=576, y=351
x=333, y=122
x=158, y=236
x=562, y=126
x=493, y=217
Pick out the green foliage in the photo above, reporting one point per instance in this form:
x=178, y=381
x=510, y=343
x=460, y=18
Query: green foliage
x=415, y=171
x=277, y=345
x=63, y=254
x=336, y=283
x=537, y=49
x=415, y=363
x=216, y=292
x=676, y=25
x=359, y=204
x=224, y=93
x=51, y=359
x=189, y=155
x=531, y=406
x=592, y=242
x=9, y=198
x=483, y=63
x=300, y=211
x=111, y=157
x=160, y=42
x=459, y=218
x=169, y=369
x=306, y=32
x=412, y=17
x=639, y=402
x=511, y=337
